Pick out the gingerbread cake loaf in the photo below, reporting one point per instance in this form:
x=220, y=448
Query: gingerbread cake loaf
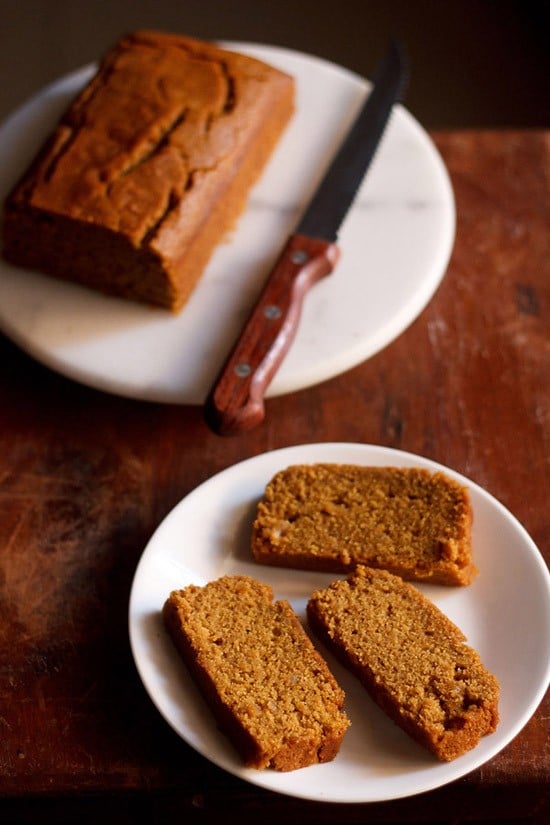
x=411, y=658
x=269, y=689
x=331, y=517
x=148, y=168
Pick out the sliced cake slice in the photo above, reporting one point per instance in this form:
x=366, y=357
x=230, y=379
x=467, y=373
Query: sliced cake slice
x=269, y=689
x=413, y=661
x=331, y=517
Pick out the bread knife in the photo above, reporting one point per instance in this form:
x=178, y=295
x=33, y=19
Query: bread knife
x=235, y=403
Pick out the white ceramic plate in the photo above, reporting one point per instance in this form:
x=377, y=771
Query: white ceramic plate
x=505, y=614
x=395, y=246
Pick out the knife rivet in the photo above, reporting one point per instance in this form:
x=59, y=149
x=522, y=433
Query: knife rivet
x=299, y=256
x=242, y=370
x=272, y=312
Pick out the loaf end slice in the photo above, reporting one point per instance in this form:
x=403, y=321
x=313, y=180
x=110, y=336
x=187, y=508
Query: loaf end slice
x=332, y=517
x=414, y=662
x=267, y=686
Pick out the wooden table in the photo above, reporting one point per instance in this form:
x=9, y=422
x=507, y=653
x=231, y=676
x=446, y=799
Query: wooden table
x=85, y=478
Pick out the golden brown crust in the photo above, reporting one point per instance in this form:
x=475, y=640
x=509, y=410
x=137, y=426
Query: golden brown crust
x=410, y=657
x=148, y=168
x=331, y=517
x=269, y=689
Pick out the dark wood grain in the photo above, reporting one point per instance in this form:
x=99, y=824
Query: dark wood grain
x=85, y=478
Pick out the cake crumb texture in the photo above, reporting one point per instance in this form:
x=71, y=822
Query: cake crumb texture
x=331, y=517
x=268, y=687
x=414, y=662
x=148, y=168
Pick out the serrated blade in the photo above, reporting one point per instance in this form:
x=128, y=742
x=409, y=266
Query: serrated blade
x=338, y=188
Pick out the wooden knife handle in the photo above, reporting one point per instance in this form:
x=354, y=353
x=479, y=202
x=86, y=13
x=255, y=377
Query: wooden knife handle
x=235, y=403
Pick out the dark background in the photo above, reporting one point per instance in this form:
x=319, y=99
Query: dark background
x=474, y=63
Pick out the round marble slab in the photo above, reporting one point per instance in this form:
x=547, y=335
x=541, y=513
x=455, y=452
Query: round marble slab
x=395, y=246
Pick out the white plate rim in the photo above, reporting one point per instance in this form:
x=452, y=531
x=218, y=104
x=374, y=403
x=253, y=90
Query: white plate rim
x=261, y=467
